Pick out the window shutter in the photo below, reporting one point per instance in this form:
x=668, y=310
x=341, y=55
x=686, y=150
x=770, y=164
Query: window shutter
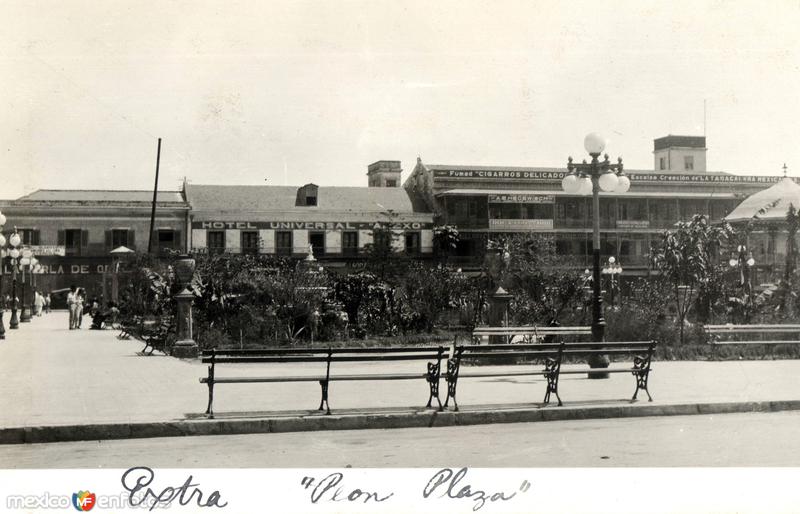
x=109, y=240
x=132, y=239
x=178, y=242
x=35, y=237
x=62, y=238
x=84, y=238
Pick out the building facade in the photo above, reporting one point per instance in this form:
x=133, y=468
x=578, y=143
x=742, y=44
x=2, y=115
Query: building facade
x=335, y=223
x=71, y=232
x=490, y=202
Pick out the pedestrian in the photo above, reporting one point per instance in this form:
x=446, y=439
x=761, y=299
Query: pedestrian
x=81, y=300
x=38, y=303
x=47, y=303
x=72, y=305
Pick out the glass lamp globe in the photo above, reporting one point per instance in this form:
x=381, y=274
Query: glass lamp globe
x=14, y=253
x=570, y=183
x=751, y=261
x=623, y=184
x=733, y=262
x=594, y=143
x=14, y=239
x=612, y=260
x=2, y=240
x=2, y=219
x=608, y=181
x=586, y=186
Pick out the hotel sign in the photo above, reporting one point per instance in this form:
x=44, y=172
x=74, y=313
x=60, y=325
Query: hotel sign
x=39, y=250
x=522, y=199
x=551, y=176
x=309, y=225
x=509, y=224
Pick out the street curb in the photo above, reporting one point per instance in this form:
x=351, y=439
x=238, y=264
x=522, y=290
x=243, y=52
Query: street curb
x=417, y=419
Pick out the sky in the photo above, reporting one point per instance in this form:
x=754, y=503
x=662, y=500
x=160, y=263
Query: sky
x=272, y=92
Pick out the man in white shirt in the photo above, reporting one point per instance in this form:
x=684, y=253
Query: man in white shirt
x=72, y=305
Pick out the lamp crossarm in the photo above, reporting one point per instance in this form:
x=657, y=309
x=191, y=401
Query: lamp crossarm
x=588, y=168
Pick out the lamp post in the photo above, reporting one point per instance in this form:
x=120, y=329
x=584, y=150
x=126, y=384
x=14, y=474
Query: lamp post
x=612, y=270
x=14, y=241
x=743, y=259
x=2, y=265
x=25, y=315
x=35, y=268
x=585, y=178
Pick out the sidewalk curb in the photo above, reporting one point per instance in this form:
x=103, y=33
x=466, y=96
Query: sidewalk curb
x=420, y=419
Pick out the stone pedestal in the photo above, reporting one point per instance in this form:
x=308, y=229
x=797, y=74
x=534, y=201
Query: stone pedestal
x=185, y=347
x=498, y=313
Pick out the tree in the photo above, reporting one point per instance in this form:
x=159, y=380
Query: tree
x=685, y=258
x=445, y=241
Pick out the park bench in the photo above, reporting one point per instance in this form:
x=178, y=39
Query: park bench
x=326, y=357
x=552, y=356
x=722, y=335
x=529, y=334
x=154, y=332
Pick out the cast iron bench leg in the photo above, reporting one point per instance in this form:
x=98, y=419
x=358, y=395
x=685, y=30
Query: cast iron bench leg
x=641, y=372
x=551, y=373
x=324, y=386
x=433, y=382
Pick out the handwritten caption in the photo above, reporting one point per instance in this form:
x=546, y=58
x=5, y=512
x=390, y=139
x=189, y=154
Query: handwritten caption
x=445, y=483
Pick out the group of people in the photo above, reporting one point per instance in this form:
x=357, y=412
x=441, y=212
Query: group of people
x=41, y=302
x=78, y=306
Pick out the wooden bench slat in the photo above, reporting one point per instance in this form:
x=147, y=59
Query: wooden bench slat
x=716, y=343
x=335, y=358
x=324, y=351
x=332, y=378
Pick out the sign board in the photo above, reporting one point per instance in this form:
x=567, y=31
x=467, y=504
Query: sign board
x=552, y=176
x=633, y=224
x=39, y=250
x=507, y=224
x=309, y=225
x=522, y=199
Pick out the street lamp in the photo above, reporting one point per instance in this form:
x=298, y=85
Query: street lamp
x=27, y=255
x=743, y=259
x=585, y=178
x=612, y=270
x=14, y=241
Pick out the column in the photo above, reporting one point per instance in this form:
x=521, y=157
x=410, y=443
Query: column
x=267, y=241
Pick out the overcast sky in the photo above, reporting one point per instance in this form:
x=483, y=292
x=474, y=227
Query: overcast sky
x=267, y=92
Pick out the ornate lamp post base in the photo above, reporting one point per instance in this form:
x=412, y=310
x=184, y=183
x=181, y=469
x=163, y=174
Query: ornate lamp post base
x=25, y=316
x=14, y=321
x=185, y=347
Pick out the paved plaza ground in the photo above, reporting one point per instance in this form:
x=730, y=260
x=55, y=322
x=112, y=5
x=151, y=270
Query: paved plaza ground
x=53, y=376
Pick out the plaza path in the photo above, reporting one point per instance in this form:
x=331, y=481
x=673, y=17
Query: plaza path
x=54, y=376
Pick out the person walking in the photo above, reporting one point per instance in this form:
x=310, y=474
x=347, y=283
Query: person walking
x=81, y=300
x=72, y=305
x=47, y=303
x=38, y=303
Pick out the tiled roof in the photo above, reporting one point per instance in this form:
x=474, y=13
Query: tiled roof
x=94, y=195
x=283, y=198
x=679, y=141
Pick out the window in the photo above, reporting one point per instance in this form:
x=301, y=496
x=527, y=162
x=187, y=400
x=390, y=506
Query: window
x=74, y=240
x=317, y=242
x=662, y=163
x=632, y=209
x=167, y=239
x=29, y=236
x=688, y=162
x=350, y=243
x=537, y=211
x=391, y=183
x=311, y=200
x=216, y=241
x=283, y=243
x=249, y=242
x=119, y=237
x=412, y=243
x=382, y=239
